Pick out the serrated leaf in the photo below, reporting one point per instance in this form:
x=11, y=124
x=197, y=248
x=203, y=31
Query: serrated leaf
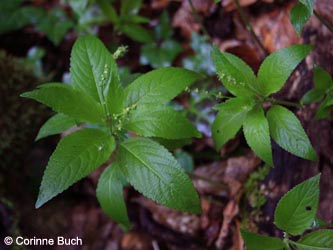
x=154, y=172
x=159, y=86
x=229, y=120
x=110, y=195
x=313, y=95
x=94, y=72
x=76, y=156
x=160, y=121
x=297, y=209
x=256, y=132
x=55, y=125
x=287, y=131
x=255, y=241
x=63, y=98
x=235, y=74
x=277, y=67
x=322, y=78
x=299, y=16
x=318, y=240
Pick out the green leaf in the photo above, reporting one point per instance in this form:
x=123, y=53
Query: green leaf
x=160, y=121
x=185, y=160
x=95, y=72
x=287, y=131
x=259, y=242
x=322, y=78
x=76, y=156
x=160, y=56
x=110, y=195
x=299, y=16
x=256, y=132
x=318, y=240
x=313, y=95
x=14, y=17
x=163, y=29
x=55, y=125
x=154, y=172
x=323, y=110
x=78, y=6
x=108, y=10
x=55, y=25
x=130, y=7
x=159, y=86
x=229, y=120
x=297, y=209
x=235, y=74
x=136, y=32
x=172, y=144
x=63, y=98
x=277, y=67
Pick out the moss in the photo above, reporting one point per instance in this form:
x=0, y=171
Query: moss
x=19, y=117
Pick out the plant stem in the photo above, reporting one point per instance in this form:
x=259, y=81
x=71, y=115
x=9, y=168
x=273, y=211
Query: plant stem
x=198, y=20
x=286, y=103
x=249, y=27
x=323, y=21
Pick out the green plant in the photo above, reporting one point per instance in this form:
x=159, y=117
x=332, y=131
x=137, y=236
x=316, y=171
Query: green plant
x=164, y=49
x=322, y=91
x=251, y=93
x=300, y=14
x=97, y=99
x=295, y=213
x=127, y=21
x=54, y=24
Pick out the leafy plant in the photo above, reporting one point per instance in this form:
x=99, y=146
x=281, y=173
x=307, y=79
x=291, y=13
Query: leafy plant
x=97, y=99
x=295, y=213
x=201, y=47
x=54, y=24
x=87, y=16
x=164, y=49
x=322, y=91
x=300, y=14
x=127, y=21
x=13, y=16
x=246, y=109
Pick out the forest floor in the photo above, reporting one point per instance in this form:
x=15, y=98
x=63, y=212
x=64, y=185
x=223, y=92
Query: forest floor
x=236, y=190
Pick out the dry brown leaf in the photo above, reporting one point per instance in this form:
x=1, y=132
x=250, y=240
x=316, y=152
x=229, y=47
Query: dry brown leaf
x=184, y=17
x=275, y=30
x=159, y=4
x=178, y=221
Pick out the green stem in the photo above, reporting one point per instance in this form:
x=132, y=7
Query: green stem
x=249, y=27
x=198, y=20
x=286, y=240
x=286, y=103
x=323, y=21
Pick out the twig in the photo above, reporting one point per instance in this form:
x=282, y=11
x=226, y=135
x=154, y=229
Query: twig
x=323, y=21
x=249, y=27
x=198, y=20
